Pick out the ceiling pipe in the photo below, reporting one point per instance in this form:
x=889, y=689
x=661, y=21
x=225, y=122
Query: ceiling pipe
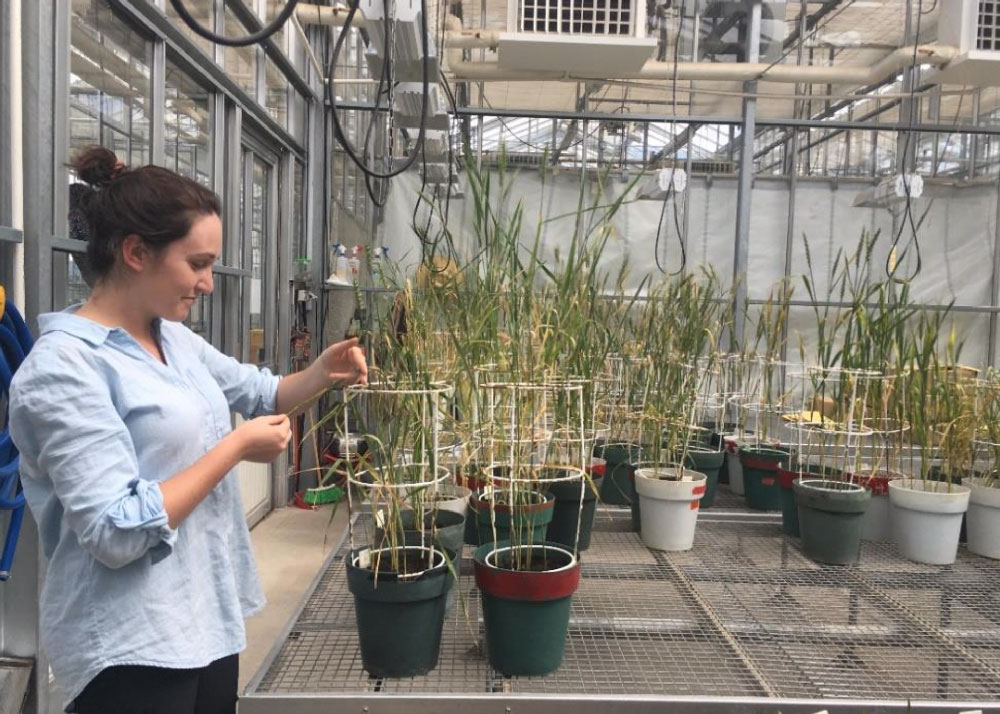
x=460, y=39
x=936, y=55
x=327, y=16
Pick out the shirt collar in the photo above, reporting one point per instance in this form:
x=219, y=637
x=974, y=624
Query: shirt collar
x=69, y=322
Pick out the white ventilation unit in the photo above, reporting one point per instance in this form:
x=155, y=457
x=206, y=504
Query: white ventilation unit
x=588, y=37
x=407, y=39
x=972, y=26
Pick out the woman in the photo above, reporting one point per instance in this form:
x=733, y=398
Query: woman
x=122, y=418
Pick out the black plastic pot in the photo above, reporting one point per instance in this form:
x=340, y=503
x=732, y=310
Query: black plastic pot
x=634, y=508
x=831, y=519
x=526, y=613
x=567, y=512
x=399, y=617
x=618, y=488
x=709, y=462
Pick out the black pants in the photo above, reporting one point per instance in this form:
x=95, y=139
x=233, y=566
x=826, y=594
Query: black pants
x=133, y=689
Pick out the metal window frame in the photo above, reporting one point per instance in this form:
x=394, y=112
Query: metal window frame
x=6, y=197
x=196, y=63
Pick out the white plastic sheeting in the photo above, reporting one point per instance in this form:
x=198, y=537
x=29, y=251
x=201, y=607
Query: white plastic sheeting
x=956, y=238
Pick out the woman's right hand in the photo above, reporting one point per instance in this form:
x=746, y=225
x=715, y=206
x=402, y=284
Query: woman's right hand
x=264, y=438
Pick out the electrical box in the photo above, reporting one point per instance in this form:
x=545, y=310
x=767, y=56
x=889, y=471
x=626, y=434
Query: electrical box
x=972, y=27
x=588, y=37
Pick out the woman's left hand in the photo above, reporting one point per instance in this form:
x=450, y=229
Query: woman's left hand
x=343, y=364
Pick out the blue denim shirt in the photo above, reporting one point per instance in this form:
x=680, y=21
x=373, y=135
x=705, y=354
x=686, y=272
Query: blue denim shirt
x=100, y=423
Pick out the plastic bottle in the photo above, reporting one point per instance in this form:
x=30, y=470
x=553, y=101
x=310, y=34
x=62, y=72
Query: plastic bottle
x=341, y=268
x=354, y=262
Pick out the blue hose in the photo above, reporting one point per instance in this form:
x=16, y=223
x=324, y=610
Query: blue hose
x=15, y=342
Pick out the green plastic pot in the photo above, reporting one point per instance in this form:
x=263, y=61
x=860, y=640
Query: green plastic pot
x=526, y=613
x=530, y=521
x=446, y=530
x=567, y=512
x=831, y=518
x=707, y=461
x=760, y=478
x=399, y=619
x=789, y=509
x=618, y=488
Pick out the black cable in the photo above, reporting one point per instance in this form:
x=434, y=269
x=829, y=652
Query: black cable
x=908, y=211
x=331, y=96
x=671, y=191
x=251, y=39
x=381, y=196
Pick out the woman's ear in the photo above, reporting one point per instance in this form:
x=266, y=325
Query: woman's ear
x=135, y=253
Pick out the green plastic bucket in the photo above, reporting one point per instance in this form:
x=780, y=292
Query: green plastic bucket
x=760, y=477
x=789, y=509
x=526, y=613
x=618, y=488
x=399, y=618
x=445, y=530
x=567, y=512
x=530, y=521
x=707, y=461
x=831, y=519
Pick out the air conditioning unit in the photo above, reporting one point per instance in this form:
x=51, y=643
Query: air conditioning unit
x=972, y=26
x=407, y=40
x=586, y=37
x=409, y=99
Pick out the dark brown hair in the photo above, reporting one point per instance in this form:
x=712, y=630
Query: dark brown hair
x=151, y=202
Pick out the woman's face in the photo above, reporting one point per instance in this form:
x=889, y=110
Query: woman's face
x=182, y=272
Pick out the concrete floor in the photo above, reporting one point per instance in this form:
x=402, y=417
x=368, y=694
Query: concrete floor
x=290, y=545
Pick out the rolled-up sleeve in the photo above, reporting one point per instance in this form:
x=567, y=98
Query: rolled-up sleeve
x=251, y=391
x=69, y=431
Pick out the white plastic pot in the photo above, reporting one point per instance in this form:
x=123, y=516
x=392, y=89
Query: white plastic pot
x=877, y=526
x=733, y=465
x=927, y=518
x=452, y=497
x=983, y=519
x=669, y=506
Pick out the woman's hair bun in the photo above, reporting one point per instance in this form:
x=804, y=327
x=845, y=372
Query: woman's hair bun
x=96, y=166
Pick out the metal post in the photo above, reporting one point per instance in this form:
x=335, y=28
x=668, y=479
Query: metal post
x=688, y=169
x=219, y=168
x=742, y=248
x=906, y=149
x=158, y=103
x=972, y=138
x=995, y=283
x=280, y=482
x=45, y=30
x=584, y=143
